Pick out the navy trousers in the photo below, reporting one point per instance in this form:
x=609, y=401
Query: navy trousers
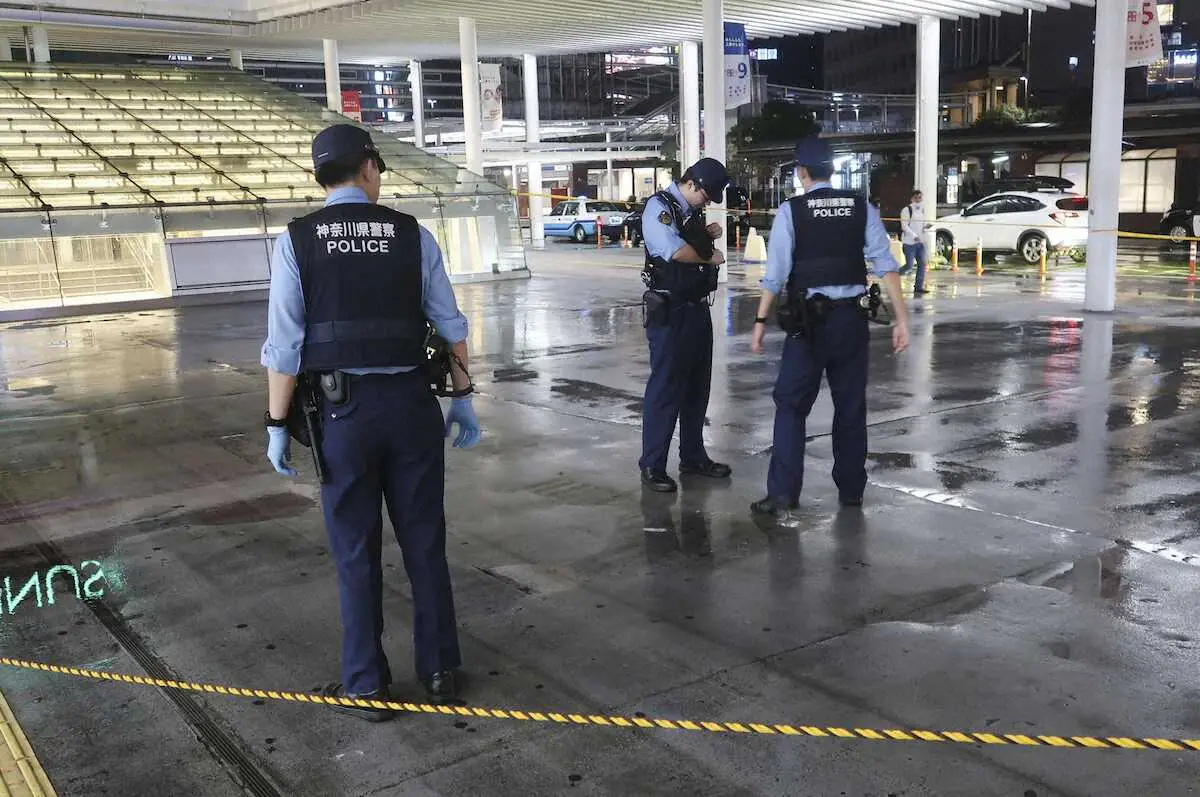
x=839, y=351
x=677, y=392
x=386, y=444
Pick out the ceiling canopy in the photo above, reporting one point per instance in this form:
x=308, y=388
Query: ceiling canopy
x=393, y=31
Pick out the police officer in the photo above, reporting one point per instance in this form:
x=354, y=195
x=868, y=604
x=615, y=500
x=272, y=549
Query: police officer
x=817, y=247
x=352, y=287
x=680, y=274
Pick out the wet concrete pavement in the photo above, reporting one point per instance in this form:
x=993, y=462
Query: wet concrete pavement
x=1026, y=562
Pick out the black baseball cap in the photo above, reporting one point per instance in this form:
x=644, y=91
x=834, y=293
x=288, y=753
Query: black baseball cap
x=710, y=175
x=339, y=141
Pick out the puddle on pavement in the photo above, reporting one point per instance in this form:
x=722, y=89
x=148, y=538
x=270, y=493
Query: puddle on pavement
x=513, y=375
x=269, y=507
x=1096, y=576
x=953, y=475
x=591, y=392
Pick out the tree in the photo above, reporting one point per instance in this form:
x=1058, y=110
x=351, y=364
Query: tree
x=780, y=121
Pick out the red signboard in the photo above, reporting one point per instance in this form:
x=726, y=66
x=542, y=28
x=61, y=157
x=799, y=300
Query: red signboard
x=352, y=105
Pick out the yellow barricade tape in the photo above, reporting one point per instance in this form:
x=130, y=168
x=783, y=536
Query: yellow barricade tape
x=608, y=721
x=772, y=211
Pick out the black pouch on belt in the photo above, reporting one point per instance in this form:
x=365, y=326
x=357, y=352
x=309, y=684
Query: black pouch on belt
x=655, y=309
x=335, y=386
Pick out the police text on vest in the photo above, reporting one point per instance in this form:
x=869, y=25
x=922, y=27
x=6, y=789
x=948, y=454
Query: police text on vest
x=357, y=237
x=831, y=207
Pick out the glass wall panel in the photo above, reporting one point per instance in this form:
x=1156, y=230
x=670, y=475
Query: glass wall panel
x=125, y=159
x=28, y=272
x=108, y=255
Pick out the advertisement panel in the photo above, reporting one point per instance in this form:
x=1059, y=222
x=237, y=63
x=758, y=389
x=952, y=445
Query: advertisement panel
x=737, y=66
x=352, y=105
x=491, y=103
x=1143, y=45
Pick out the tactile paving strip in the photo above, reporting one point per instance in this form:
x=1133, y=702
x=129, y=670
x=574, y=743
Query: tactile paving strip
x=20, y=773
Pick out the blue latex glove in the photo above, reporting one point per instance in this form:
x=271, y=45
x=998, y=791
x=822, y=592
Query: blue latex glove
x=279, y=450
x=462, y=413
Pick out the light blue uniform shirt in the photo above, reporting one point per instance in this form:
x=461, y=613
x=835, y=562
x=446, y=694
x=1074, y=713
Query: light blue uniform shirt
x=663, y=240
x=285, y=310
x=878, y=250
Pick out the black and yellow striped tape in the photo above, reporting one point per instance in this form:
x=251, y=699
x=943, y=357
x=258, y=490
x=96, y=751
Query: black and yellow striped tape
x=887, y=735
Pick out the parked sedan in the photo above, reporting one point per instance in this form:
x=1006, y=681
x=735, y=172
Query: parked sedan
x=1025, y=223
x=1180, y=222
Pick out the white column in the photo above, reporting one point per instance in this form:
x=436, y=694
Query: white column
x=41, y=45
x=533, y=134
x=689, y=104
x=608, y=169
x=928, y=112
x=473, y=123
x=235, y=60
x=714, y=105
x=1104, y=168
x=333, y=77
x=5, y=49
x=418, y=102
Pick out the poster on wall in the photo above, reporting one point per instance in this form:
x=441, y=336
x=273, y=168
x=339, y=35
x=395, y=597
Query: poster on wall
x=737, y=66
x=491, y=103
x=1143, y=34
x=352, y=105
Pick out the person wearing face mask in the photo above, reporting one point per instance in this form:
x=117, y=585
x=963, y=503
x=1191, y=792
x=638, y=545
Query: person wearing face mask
x=355, y=288
x=913, y=227
x=682, y=264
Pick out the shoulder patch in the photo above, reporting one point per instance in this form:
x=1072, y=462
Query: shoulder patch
x=665, y=218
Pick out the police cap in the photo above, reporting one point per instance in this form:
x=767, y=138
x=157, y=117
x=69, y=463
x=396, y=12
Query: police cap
x=814, y=151
x=340, y=141
x=710, y=175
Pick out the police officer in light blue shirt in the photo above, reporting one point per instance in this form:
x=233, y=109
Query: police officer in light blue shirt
x=354, y=288
x=816, y=250
x=681, y=273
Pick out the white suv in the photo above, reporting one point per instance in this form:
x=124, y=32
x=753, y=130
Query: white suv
x=1026, y=223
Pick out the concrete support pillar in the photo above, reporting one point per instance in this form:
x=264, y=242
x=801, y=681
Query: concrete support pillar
x=472, y=122
x=1011, y=92
x=1104, y=168
x=928, y=71
x=418, y=102
x=714, y=103
x=608, y=169
x=41, y=45
x=533, y=134
x=235, y=60
x=333, y=77
x=689, y=104
x=5, y=49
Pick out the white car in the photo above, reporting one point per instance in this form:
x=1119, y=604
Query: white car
x=1026, y=223
x=576, y=219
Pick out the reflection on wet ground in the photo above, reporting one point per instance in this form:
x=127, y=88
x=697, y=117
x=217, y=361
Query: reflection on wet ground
x=1026, y=560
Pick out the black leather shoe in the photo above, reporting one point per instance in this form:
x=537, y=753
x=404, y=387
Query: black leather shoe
x=850, y=500
x=773, y=506
x=658, y=480
x=715, y=470
x=368, y=713
x=442, y=687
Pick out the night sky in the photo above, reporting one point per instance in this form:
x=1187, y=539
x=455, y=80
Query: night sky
x=799, y=61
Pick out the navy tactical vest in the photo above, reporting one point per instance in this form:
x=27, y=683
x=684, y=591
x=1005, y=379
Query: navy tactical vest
x=687, y=282
x=829, y=230
x=360, y=269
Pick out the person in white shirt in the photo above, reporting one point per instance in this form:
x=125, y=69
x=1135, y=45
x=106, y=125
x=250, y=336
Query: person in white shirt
x=913, y=227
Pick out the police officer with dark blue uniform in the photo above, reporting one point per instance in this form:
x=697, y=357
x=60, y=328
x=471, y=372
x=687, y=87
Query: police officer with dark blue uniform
x=354, y=289
x=680, y=274
x=817, y=248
